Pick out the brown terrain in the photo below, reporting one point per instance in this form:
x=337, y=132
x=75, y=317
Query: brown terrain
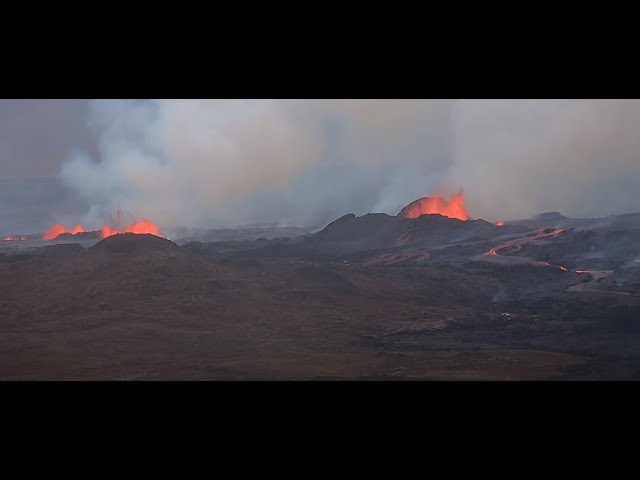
x=368, y=298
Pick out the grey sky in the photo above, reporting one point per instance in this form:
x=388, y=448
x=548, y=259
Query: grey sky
x=37, y=136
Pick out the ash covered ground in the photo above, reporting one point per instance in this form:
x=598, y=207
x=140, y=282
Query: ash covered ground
x=375, y=297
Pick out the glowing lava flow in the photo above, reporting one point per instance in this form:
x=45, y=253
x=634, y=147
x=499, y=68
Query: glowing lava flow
x=13, y=239
x=547, y=264
x=516, y=245
x=500, y=223
x=59, y=229
x=454, y=208
x=145, y=226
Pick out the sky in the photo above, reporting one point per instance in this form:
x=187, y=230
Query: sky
x=36, y=138
x=224, y=163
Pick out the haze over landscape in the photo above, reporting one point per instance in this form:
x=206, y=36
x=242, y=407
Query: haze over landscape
x=319, y=239
x=220, y=163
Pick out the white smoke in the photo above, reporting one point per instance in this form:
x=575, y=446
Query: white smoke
x=226, y=162
x=207, y=163
x=518, y=158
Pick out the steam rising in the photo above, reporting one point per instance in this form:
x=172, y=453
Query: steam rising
x=232, y=162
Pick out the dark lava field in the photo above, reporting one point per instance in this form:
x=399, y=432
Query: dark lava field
x=376, y=297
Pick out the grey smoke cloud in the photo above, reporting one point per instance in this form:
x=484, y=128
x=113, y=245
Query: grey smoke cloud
x=231, y=162
x=517, y=158
x=225, y=162
x=37, y=136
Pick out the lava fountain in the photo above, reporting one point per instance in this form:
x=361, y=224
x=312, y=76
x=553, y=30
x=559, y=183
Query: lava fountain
x=144, y=226
x=58, y=229
x=454, y=208
x=141, y=227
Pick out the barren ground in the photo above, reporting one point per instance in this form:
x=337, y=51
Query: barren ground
x=151, y=310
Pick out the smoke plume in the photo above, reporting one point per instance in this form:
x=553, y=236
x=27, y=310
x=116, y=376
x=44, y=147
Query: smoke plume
x=306, y=162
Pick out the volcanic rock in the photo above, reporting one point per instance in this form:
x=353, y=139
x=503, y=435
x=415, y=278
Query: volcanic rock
x=323, y=280
x=381, y=231
x=629, y=221
x=79, y=236
x=370, y=227
x=550, y=217
x=61, y=250
x=309, y=308
x=341, y=221
x=132, y=242
x=196, y=247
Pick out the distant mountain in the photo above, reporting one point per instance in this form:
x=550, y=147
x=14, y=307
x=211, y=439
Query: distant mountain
x=550, y=216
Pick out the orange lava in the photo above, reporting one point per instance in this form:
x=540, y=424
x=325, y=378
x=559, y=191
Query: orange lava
x=517, y=243
x=13, y=239
x=500, y=223
x=145, y=226
x=564, y=269
x=59, y=229
x=454, y=208
x=582, y=271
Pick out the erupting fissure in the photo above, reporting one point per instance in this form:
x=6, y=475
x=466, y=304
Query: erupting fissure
x=115, y=227
x=145, y=226
x=58, y=229
x=454, y=208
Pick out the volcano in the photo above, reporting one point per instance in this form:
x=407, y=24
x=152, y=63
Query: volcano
x=142, y=227
x=415, y=296
x=131, y=242
x=116, y=226
x=454, y=208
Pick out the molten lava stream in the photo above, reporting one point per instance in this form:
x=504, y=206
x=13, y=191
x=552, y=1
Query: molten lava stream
x=516, y=245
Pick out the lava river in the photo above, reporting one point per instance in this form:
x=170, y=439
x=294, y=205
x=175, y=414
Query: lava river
x=516, y=244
